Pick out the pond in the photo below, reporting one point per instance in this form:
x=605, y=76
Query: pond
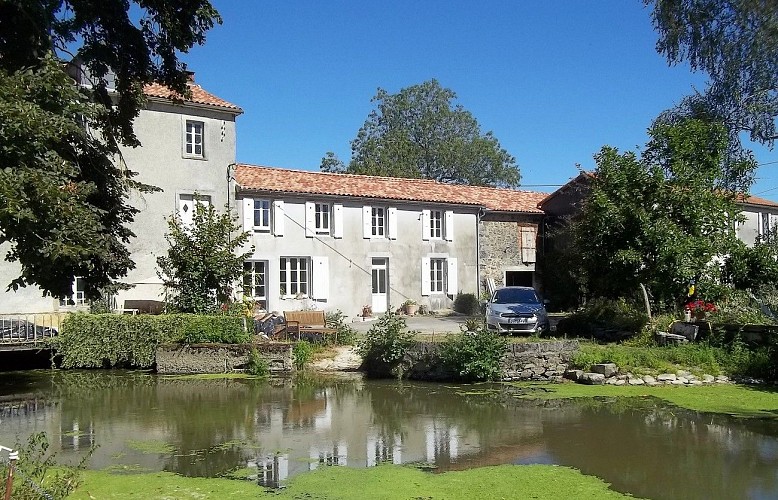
x=272, y=430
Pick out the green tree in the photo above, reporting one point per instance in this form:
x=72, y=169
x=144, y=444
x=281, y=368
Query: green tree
x=736, y=43
x=420, y=133
x=660, y=219
x=64, y=191
x=203, y=262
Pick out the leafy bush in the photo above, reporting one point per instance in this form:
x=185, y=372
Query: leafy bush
x=387, y=342
x=97, y=340
x=467, y=303
x=603, y=313
x=302, y=353
x=475, y=355
x=257, y=365
x=215, y=329
x=337, y=320
x=697, y=357
x=739, y=307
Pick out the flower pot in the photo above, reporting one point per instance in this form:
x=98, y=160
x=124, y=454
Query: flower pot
x=699, y=316
x=411, y=309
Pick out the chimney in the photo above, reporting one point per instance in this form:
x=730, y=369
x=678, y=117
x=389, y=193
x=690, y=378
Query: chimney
x=190, y=76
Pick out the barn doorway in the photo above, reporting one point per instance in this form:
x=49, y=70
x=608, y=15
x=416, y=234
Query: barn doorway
x=518, y=278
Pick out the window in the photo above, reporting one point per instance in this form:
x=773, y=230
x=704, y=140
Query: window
x=322, y=218
x=78, y=298
x=194, y=139
x=378, y=222
x=436, y=224
x=262, y=215
x=293, y=276
x=255, y=280
x=437, y=267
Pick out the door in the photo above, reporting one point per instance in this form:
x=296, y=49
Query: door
x=379, y=284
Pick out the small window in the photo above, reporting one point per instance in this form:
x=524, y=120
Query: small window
x=255, y=281
x=187, y=206
x=322, y=215
x=293, y=276
x=378, y=222
x=194, y=139
x=436, y=224
x=78, y=298
x=262, y=215
x=437, y=280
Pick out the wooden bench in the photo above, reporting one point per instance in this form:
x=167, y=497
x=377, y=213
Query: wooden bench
x=308, y=325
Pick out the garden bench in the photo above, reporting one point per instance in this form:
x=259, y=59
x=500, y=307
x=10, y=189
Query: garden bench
x=308, y=325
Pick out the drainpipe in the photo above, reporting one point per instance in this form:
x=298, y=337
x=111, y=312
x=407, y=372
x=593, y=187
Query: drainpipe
x=230, y=178
x=478, y=218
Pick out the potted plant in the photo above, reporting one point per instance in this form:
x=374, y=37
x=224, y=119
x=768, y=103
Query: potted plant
x=699, y=308
x=410, y=307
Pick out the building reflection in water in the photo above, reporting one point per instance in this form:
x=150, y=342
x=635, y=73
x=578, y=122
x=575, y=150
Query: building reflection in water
x=383, y=450
x=271, y=471
x=336, y=454
x=442, y=442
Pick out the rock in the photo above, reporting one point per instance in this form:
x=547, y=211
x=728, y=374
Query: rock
x=691, y=378
x=607, y=369
x=677, y=382
x=636, y=381
x=573, y=374
x=648, y=379
x=611, y=381
x=619, y=382
x=708, y=379
x=592, y=379
x=666, y=377
x=683, y=380
x=663, y=338
x=722, y=378
x=653, y=384
x=622, y=377
x=696, y=382
x=682, y=373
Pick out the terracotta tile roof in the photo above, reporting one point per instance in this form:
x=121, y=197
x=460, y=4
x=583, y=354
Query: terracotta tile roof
x=755, y=200
x=199, y=96
x=270, y=179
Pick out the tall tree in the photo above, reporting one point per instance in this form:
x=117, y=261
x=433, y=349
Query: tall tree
x=202, y=263
x=63, y=200
x=420, y=133
x=659, y=219
x=736, y=43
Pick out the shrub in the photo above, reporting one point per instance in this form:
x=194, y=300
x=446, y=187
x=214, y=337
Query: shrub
x=257, y=365
x=387, y=342
x=739, y=307
x=337, y=320
x=475, y=355
x=302, y=352
x=215, y=329
x=97, y=340
x=467, y=303
x=606, y=314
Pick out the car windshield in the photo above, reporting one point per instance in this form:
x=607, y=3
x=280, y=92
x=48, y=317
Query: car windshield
x=515, y=296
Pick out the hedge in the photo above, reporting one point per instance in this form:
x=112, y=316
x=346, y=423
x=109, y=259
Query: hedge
x=100, y=340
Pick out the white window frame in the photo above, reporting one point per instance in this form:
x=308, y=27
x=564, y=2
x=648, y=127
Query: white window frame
x=378, y=221
x=78, y=297
x=194, y=139
x=438, y=270
x=264, y=208
x=187, y=216
x=322, y=217
x=257, y=278
x=294, y=276
x=436, y=224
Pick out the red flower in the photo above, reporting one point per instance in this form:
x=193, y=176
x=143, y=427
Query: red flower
x=700, y=305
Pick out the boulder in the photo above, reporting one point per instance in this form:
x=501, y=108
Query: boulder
x=666, y=377
x=648, y=379
x=636, y=381
x=708, y=379
x=592, y=379
x=607, y=369
x=573, y=374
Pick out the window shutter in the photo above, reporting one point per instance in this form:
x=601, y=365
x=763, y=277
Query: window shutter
x=337, y=220
x=248, y=214
x=391, y=223
x=448, y=225
x=527, y=244
x=366, y=221
x=425, y=276
x=452, y=287
x=320, y=278
x=425, y=225
x=278, y=218
x=310, y=219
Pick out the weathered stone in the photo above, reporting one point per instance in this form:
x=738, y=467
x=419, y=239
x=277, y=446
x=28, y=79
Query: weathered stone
x=526, y=374
x=611, y=381
x=622, y=377
x=592, y=379
x=696, y=382
x=619, y=382
x=722, y=378
x=636, y=381
x=607, y=369
x=708, y=378
x=653, y=384
x=573, y=374
x=666, y=377
x=691, y=377
x=677, y=382
x=648, y=379
x=683, y=380
x=682, y=373
x=663, y=338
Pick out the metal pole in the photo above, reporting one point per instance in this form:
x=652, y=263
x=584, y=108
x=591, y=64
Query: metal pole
x=9, y=482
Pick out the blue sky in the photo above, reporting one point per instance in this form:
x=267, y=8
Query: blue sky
x=554, y=81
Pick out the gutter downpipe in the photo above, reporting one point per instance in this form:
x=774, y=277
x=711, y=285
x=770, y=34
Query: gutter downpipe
x=478, y=218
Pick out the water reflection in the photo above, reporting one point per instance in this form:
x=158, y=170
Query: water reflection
x=279, y=428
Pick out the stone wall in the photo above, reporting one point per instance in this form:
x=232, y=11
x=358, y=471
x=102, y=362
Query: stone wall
x=545, y=361
x=500, y=248
x=220, y=358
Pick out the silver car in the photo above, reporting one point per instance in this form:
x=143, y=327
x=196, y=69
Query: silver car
x=516, y=309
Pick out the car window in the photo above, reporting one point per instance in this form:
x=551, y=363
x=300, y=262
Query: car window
x=515, y=296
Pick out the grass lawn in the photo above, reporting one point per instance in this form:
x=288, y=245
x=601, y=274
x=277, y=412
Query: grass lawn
x=344, y=483
x=730, y=399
